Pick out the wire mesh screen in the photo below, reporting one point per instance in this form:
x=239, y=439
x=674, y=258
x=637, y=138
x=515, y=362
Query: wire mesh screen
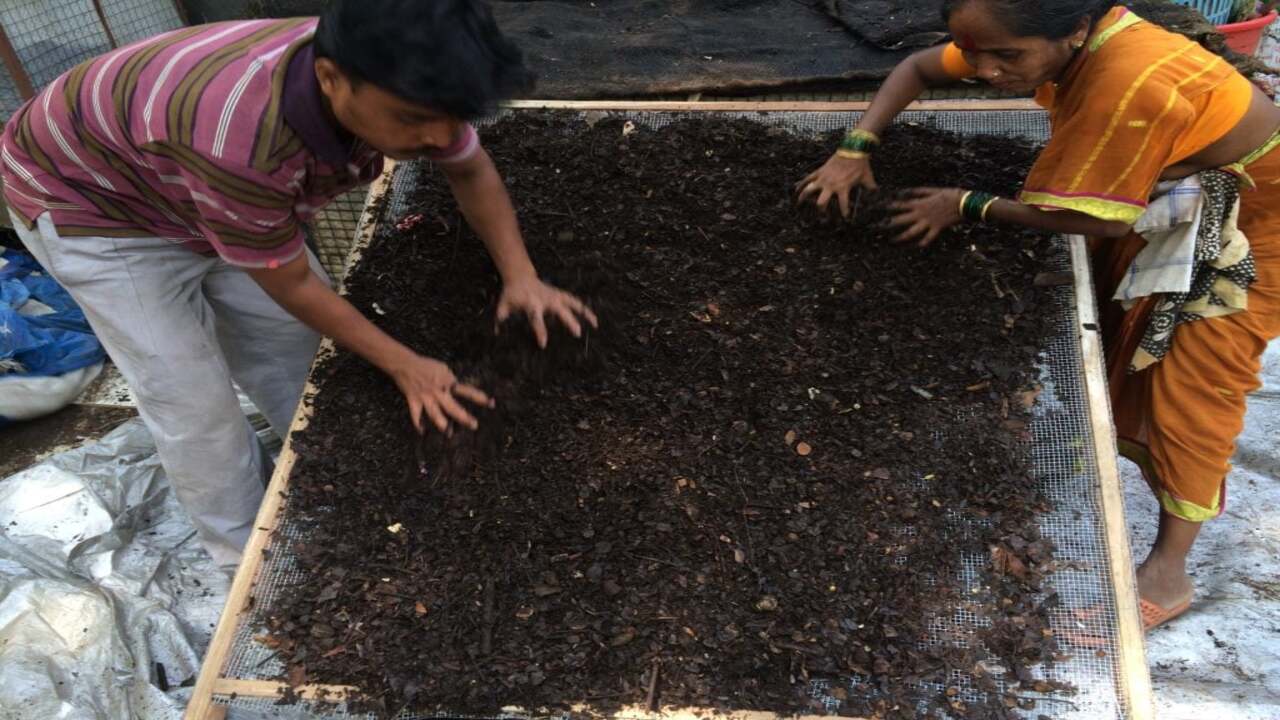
x=53, y=36
x=1064, y=463
x=10, y=98
x=133, y=20
x=333, y=230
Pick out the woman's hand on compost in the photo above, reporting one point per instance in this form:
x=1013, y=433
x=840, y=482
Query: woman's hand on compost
x=924, y=213
x=431, y=388
x=536, y=300
x=837, y=178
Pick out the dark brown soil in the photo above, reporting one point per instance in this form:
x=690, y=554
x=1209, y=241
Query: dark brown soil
x=764, y=468
x=23, y=444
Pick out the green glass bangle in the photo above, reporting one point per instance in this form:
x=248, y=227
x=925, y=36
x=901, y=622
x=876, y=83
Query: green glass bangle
x=975, y=204
x=859, y=141
x=987, y=207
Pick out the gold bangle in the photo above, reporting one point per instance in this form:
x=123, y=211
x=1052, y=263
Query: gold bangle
x=852, y=154
x=987, y=207
x=964, y=197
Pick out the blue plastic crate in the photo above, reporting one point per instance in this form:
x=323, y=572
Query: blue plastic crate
x=1217, y=12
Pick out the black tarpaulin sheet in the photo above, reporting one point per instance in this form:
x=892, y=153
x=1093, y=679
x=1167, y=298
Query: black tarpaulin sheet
x=583, y=49
x=625, y=47
x=891, y=24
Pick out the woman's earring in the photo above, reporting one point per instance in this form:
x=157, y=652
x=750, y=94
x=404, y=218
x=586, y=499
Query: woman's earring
x=1077, y=44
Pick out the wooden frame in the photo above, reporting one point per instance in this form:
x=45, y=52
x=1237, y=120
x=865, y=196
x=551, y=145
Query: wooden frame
x=768, y=106
x=181, y=9
x=13, y=64
x=1135, y=676
x=106, y=27
x=1135, y=681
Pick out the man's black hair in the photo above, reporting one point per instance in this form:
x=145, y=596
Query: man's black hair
x=444, y=54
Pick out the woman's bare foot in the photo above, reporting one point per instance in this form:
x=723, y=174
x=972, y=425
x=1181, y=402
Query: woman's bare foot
x=1164, y=582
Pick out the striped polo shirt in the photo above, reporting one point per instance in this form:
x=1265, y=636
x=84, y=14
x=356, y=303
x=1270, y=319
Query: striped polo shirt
x=215, y=137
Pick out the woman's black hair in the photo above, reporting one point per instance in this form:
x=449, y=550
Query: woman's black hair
x=1052, y=19
x=444, y=54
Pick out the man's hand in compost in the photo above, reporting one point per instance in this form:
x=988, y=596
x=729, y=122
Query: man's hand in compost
x=428, y=385
x=431, y=389
x=484, y=201
x=536, y=300
x=924, y=213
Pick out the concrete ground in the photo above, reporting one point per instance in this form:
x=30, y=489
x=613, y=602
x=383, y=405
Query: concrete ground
x=1222, y=658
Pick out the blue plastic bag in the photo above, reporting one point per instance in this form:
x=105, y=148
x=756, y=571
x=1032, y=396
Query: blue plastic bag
x=37, y=341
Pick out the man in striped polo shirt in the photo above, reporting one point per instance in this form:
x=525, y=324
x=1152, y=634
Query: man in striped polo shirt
x=165, y=185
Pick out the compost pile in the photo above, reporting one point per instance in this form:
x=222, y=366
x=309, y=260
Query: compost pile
x=764, y=468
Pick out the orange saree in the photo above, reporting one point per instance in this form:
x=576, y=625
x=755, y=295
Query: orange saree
x=1136, y=101
x=1179, y=418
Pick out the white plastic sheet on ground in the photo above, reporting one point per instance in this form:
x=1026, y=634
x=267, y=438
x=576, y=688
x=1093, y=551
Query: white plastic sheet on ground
x=103, y=586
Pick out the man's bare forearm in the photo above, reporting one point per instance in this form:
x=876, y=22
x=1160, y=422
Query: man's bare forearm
x=305, y=296
x=482, y=197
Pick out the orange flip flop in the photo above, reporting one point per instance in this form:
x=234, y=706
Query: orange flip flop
x=1153, y=615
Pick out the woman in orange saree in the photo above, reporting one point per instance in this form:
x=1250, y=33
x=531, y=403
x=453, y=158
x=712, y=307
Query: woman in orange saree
x=1132, y=109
